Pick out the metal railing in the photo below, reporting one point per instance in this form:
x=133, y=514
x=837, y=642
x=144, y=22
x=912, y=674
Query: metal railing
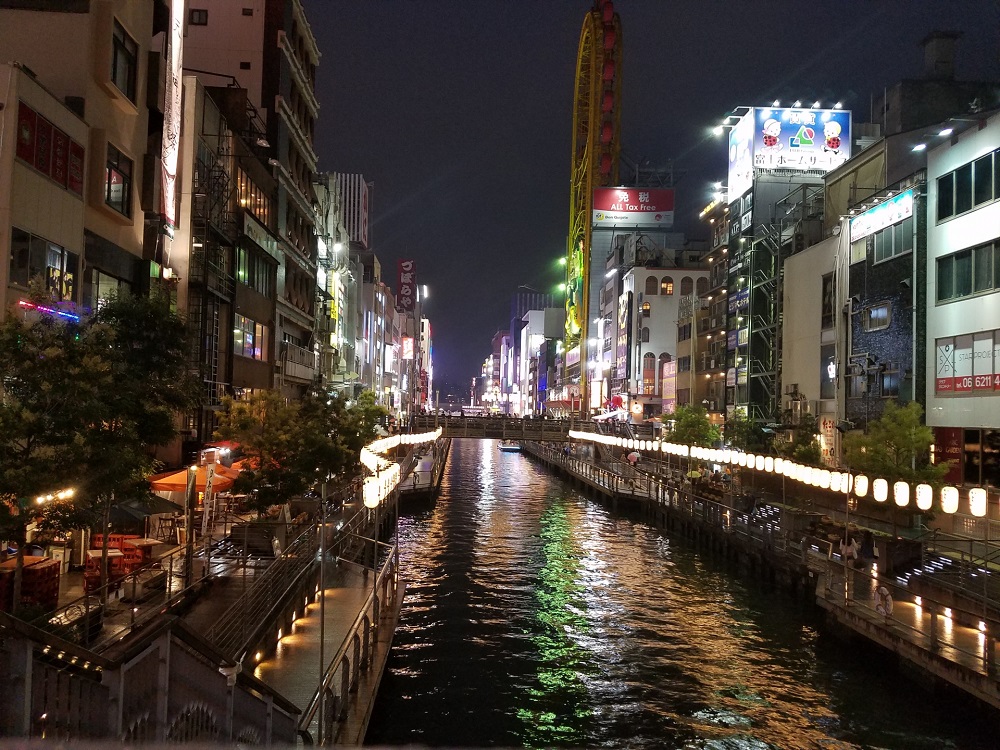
x=353, y=659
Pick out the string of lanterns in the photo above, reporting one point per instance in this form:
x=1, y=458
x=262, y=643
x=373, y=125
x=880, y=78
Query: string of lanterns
x=385, y=473
x=837, y=481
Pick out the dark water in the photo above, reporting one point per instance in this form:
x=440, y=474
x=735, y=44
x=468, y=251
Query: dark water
x=534, y=617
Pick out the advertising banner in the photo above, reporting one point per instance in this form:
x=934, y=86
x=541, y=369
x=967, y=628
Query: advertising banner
x=787, y=138
x=172, y=117
x=967, y=364
x=623, y=339
x=407, y=347
x=633, y=207
x=669, y=387
x=406, y=286
x=27, y=121
x=883, y=215
x=740, y=159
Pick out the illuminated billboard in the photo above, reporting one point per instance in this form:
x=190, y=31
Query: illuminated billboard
x=786, y=138
x=633, y=207
x=407, y=347
x=883, y=215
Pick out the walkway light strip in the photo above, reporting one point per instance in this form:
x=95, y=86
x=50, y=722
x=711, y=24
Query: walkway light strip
x=844, y=482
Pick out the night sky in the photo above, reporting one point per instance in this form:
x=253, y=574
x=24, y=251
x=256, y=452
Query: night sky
x=459, y=112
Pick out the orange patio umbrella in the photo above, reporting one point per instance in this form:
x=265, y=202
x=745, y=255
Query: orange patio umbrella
x=176, y=480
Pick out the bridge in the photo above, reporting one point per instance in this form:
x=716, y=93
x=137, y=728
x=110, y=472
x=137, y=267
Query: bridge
x=500, y=427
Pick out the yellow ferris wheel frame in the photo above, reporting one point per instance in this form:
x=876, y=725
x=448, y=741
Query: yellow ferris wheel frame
x=596, y=148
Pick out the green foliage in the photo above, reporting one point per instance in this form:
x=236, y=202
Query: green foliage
x=270, y=434
x=802, y=445
x=53, y=374
x=691, y=426
x=81, y=404
x=897, y=447
x=367, y=415
x=743, y=433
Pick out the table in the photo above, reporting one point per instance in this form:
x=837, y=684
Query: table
x=145, y=546
x=95, y=554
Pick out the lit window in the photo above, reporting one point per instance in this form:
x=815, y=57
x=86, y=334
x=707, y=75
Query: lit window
x=876, y=317
x=118, y=182
x=667, y=285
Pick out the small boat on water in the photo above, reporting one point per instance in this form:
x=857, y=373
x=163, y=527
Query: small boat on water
x=510, y=446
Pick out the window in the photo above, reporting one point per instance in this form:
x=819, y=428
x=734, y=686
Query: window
x=250, y=339
x=876, y=317
x=683, y=364
x=969, y=272
x=890, y=380
x=644, y=335
x=894, y=240
x=827, y=316
x=963, y=189
x=118, y=182
x=687, y=285
x=124, y=54
x=702, y=285
x=198, y=17
x=982, y=185
x=969, y=186
x=828, y=371
x=645, y=309
x=254, y=271
x=248, y=11
x=667, y=285
x=684, y=332
x=244, y=65
x=35, y=257
x=651, y=286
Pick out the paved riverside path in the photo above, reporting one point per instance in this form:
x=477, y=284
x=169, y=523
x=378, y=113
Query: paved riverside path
x=294, y=667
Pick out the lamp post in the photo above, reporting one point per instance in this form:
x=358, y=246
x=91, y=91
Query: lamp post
x=189, y=502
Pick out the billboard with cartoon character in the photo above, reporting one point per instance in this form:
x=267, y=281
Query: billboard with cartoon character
x=802, y=139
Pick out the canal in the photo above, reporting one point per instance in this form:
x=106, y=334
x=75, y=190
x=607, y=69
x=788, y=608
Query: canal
x=536, y=617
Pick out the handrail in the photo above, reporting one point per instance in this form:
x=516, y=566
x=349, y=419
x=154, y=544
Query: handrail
x=308, y=716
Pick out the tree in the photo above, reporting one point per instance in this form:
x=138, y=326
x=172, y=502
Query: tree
x=691, y=426
x=54, y=371
x=744, y=434
x=367, y=416
x=896, y=447
x=801, y=446
x=153, y=384
x=272, y=437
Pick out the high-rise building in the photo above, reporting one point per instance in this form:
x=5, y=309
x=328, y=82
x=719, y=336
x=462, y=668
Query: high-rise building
x=267, y=47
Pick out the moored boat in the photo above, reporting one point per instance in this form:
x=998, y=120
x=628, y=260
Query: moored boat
x=510, y=446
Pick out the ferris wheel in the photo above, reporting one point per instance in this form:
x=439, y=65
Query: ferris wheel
x=596, y=146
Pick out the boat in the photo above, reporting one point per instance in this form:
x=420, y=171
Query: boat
x=510, y=446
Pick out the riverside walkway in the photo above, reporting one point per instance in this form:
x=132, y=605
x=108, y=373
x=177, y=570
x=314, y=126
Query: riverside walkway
x=948, y=632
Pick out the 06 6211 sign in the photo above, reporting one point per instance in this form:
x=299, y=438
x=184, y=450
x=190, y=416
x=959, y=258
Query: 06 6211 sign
x=968, y=364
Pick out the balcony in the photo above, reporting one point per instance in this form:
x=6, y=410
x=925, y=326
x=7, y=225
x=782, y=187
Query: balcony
x=297, y=363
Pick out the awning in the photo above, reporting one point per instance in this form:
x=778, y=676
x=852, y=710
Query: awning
x=176, y=480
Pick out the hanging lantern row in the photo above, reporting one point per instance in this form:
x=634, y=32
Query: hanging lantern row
x=838, y=481
x=387, y=473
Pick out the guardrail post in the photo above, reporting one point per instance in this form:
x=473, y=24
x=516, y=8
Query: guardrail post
x=989, y=651
x=933, y=635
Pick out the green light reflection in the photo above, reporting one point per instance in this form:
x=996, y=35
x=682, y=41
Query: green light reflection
x=558, y=706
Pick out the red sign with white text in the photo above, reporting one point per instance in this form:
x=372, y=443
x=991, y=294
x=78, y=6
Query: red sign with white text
x=633, y=207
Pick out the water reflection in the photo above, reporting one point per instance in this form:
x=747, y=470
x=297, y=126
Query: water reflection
x=535, y=617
